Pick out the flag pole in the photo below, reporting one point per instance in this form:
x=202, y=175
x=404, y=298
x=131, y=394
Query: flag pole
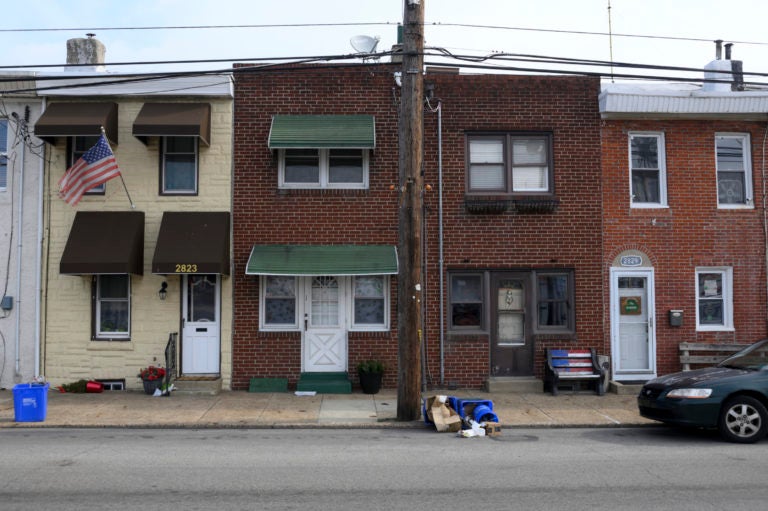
x=133, y=206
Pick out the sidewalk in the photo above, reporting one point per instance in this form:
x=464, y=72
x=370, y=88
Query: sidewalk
x=240, y=409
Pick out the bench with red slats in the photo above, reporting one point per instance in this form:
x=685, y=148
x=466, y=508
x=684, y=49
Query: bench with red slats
x=571, y=368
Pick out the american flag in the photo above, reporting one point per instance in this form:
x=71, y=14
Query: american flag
x=96, y=166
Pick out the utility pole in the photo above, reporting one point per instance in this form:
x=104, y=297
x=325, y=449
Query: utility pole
x=411, y=217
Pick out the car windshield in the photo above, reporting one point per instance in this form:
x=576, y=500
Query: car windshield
x=754, y=358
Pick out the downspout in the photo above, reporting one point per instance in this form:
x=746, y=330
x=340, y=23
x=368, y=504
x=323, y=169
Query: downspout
x=440, y=237
x=39, y=255
x=765, y=215
x=19, y=248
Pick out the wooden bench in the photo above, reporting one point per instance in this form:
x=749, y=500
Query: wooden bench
x=571, y=367
x=713, y=353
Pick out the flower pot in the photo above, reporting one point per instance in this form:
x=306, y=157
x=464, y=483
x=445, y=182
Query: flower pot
x=150, y=386
x=370, y=382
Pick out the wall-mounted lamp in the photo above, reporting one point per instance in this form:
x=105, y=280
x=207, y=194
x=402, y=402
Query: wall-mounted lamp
x=163, y=290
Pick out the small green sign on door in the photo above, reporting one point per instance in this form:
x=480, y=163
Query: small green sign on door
x=631, y=305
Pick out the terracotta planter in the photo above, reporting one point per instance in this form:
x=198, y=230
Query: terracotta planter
x=370, y=382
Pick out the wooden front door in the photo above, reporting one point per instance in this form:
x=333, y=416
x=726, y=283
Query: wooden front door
x=511, y=340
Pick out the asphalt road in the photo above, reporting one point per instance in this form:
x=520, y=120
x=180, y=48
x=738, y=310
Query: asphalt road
x=541, y=469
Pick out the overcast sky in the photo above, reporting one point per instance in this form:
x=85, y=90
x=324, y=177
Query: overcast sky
x=543, y=27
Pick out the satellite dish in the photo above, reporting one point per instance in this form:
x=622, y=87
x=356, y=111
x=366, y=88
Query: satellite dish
x=364, y=43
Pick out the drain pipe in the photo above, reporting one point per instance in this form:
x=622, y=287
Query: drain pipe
x=440, y=237
x=765, y=213
x=19, y=249
x=39, y=257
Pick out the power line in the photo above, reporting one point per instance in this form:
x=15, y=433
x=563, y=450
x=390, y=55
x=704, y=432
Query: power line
x=368, y=24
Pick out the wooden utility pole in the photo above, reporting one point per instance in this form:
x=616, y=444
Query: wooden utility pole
x=411, y=217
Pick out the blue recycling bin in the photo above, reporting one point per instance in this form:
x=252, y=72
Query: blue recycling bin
x=30, y=401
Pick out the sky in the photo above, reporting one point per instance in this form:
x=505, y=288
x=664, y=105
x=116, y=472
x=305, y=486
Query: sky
x=664, y=32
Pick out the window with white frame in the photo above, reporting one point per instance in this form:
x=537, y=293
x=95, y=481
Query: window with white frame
x=647, y=170
x=178, y=162
x=734, y=170
x=367, y=297
x=3, y=154
x=77, y=148
x=509, y=163
x=323, y=168
x=112, y=307
x=714, y=299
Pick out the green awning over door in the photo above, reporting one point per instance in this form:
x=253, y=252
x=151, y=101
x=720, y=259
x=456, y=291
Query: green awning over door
x=322, y=260
x=322, y=131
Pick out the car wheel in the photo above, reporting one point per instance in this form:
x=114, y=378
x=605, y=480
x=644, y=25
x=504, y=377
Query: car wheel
x=743, y=420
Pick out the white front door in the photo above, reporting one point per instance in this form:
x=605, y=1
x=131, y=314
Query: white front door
x=633, y=330
x=200, y=342
x=324, y=347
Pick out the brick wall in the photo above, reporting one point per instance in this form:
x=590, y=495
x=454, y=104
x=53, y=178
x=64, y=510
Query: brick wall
x=691, y=232
x=567, y=238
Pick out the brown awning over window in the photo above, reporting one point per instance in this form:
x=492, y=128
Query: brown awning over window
x=100, y=242
x=196, y=242
x=77, y=120
x=174, y=120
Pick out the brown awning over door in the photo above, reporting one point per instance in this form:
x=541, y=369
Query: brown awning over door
x=77, y=120
x=105, y=242
x=195, y=242
x=174, y=120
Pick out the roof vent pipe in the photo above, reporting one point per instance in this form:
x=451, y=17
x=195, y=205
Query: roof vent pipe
x=718, y=49
x=728, y=51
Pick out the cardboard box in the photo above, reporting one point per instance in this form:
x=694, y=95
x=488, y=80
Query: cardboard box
x=443, y=416
x=492, y=428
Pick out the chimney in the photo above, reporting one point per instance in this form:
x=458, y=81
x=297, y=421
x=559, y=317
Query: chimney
x=85, y=55
x=728, y=73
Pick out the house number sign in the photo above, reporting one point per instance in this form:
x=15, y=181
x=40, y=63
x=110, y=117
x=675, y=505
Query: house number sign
x=186, y=268
x=631, y=260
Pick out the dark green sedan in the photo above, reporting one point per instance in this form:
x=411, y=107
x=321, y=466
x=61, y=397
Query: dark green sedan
x=731, y=396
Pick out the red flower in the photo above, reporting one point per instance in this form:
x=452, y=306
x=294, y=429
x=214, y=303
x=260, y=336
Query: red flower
x=152, y=373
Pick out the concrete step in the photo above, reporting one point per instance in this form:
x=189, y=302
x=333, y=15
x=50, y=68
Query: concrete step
x=325, y=383
x=624, y=388
x=205, y=385
x=514, y=385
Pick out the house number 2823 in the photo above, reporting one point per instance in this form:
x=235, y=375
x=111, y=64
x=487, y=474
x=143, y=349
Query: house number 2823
x=186, y=268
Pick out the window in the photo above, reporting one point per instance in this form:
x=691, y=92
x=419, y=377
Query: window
x=77, y=147
x=554, y=299
x=279, y=302
x=112, y=307
x=551, y=302
x=3, y=154
x=178, y=174
x=323, y=168
x=467, y=302
x=647, y=169
x=734, y=170
x=357, y=303
x=714, y=299
x=369, y=295
x=510, y=164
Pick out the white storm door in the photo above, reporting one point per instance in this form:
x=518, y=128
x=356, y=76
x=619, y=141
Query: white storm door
x=324, y=345
x=632, y=325
x=200, y=342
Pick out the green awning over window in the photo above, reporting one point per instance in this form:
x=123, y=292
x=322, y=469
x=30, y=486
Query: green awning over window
x=322, y=131
x=322, y=260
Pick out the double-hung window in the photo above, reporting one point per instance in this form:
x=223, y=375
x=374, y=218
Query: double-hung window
x=714, y=299
x=112, y=307
x=279, y=303
x=3, y=154
x=370, y=307
x=647, y=170
x=734, y=170
x=324, y=168
x=510, y=164
x=178, y=166
x=77, y=147
x=554, y=297
x=467, y=307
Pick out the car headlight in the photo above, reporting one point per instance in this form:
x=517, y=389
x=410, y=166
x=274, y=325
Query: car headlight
x=690, y=393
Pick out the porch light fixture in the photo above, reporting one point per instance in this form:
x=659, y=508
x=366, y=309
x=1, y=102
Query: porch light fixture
x=163, y=290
